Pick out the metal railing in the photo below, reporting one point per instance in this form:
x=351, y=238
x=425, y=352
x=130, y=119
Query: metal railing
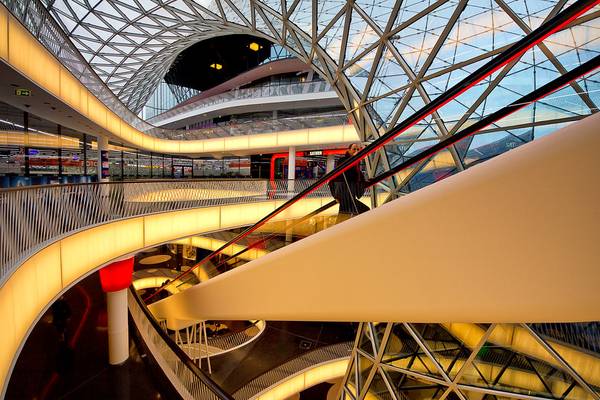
x=267, y=90
x=233, y=340
x=187, y=378
x=262, y=126
x=33, y=217
x=580, y=335
x=292, y=367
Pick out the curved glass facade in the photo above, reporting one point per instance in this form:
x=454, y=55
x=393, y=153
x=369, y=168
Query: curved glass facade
x=385, y=59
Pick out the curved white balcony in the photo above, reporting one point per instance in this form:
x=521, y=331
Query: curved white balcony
x=255, y=99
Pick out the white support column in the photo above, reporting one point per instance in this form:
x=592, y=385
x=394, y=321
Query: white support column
x=330, y=163
x=291, y=169
x=292, y=163
x=118, y=328
x=102, y=147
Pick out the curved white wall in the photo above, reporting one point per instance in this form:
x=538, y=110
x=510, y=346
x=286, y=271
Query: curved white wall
x=39, y=280
x=512, y=240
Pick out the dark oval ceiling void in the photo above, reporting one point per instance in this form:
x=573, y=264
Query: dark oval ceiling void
x=216, y=60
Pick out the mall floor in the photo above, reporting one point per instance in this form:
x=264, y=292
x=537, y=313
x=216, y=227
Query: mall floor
x=77, y=367
x=74, y=365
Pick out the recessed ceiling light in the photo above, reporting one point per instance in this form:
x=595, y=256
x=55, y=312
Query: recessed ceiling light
x=254, y=46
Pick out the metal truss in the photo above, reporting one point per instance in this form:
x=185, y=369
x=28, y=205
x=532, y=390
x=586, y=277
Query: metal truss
x=402, y=361
x=384, y=58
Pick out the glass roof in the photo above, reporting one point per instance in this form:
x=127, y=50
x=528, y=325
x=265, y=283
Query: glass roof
x=385, y=58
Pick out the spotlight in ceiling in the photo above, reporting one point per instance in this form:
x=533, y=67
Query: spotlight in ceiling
x=216, y=66
x=254, y=46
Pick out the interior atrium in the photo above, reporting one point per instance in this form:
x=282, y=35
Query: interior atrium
x=300, y=199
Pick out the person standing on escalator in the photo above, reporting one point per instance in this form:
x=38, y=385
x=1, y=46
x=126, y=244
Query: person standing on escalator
x=349, y=187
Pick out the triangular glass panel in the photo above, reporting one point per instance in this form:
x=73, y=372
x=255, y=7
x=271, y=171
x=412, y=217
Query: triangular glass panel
x=306, y=45
x=453, y=111
x=416, y=41
x=590, y=83
x=389, y=76
x=402, y=351
x=385, y=108
x=442, y=81
x=360, y=36
x=231, y=15
x=129, y=12
x=463, y=146
x=291, y=41
x=410, y=9
x=533, y=13
x=564, y=103
x=366, y=342
x=449, y=352
x=379, y=12
x=318, y=65
x=205, y=13
x=414, y=104
x=364, y=365
x=331, y=41
x=105, y=8
x=302, y=16
x=514, y=361
x=518, y=81
x=348, y=394
x=378, y=388
x=574, y=45
x=92, y=19
x=276, y=22
x=351, y=384
x=408, y=387
x=327, y=10
x=261, y=25
x=440, y=166
x=487, y=145
x=379, y=331
x=274, y=4
x=358, y=73
x=480, y=28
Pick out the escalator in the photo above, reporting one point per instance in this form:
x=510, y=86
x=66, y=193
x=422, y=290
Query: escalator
x=465, y=249
x=276, y=232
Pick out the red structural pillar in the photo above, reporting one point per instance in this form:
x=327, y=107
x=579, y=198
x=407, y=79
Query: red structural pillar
x=115, y=279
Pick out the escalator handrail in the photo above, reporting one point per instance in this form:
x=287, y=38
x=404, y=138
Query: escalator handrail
x=513, y=107
x=185, y=359
x=549, y=27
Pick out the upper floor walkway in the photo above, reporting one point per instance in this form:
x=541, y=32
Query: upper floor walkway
x=267, y=97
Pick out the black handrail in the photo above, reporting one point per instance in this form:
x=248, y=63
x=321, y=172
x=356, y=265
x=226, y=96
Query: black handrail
x=555, y=24
x=214, y=387
x=524, y=101
x=516, y=105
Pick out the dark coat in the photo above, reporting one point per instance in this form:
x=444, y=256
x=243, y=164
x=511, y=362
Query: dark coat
x=348, y=187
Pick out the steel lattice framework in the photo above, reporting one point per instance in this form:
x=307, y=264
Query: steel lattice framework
x=400, y=361
x=385, y=59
